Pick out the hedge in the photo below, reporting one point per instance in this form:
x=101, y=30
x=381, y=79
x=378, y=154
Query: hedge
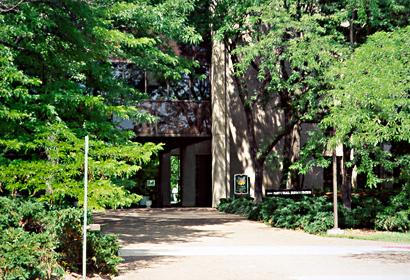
x=315, y=214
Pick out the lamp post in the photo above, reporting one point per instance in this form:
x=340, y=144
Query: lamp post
x=335, y=230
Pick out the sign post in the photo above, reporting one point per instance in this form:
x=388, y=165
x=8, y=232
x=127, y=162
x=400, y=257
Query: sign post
x=85, y=207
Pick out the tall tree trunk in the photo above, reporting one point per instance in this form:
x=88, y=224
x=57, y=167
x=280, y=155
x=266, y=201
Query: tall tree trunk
x=352, y=28
x=294, y=180
x=291, y=147
x=258, y=181
x=287, y=149
x=347, y=179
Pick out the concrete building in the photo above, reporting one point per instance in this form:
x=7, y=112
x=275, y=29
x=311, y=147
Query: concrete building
x=210, y=138
x=230, y=145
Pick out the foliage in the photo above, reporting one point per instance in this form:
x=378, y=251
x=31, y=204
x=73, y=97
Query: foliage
x=370, y=103
x=400, y=221
x=383, y=211
x=57, y=86
x=280, y=53
x=396, y=216
x=40, y=242
x=102, y=250
x=363, y=213
x=310, y=214
x=27, y=256
x=176, y=172
x=288, y=45
x=148, y=171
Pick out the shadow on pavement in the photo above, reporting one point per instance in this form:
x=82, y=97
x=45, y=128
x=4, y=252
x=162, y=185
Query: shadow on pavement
x=162, y=226
x=385, y=257
x=138, y=263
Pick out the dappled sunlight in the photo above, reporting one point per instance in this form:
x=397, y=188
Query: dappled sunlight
x=170, y=226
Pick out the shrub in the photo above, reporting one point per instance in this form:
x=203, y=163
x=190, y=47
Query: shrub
x=25, y=255
x=318, y=222
x=102, y=250
x=396, y=216
x=315, y=215
x=37, y=242
x=311, y=214
x=398, y=222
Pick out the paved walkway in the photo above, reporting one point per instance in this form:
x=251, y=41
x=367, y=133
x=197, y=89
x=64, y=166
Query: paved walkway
x=201, y=243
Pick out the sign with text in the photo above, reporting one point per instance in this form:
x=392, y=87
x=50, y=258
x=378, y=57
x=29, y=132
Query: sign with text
x=241, y=184
x=150, y=183
x=289, y=193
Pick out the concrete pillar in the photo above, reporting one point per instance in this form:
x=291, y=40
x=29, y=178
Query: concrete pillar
x=188, y=174
x=220, y=125
x=164, y=179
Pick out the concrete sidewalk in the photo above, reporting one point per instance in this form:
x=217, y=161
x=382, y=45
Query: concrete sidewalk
x=201, y=243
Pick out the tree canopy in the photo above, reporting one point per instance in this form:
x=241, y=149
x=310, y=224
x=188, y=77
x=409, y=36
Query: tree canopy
x=57, y=85
x=291, y=45
x=370, y=103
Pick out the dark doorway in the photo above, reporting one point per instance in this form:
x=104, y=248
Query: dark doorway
x=204, y=180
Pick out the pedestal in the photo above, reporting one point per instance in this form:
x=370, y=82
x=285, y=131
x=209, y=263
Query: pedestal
x=335, y=231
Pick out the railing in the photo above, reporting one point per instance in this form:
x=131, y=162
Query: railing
x=176, y=118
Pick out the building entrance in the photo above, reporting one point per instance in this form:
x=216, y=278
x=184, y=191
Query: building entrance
x=184, y=127
x=194, y=185
x=203, y=180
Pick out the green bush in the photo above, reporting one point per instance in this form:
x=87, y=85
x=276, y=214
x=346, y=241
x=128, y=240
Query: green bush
x=398, y=222
x=102, y=250
x=37, y=241
x=363, y=213
x=25, y=255
x=315, y=215
x=396, y=216
x=317, y=223
x=311, y=214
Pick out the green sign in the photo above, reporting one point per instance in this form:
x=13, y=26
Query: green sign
x=241, y=184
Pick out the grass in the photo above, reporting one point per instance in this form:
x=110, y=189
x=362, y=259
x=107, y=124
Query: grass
x=394, y=237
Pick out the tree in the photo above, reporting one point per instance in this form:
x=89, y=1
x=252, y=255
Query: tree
x=370, y=105
x=352, y=95
x=289, y=44
x=57, y=85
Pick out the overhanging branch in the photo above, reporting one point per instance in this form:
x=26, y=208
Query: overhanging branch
x=39, y=56
x=9, y=9
x=277, y=138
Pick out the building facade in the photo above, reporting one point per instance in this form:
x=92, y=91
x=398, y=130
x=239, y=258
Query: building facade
x=211, y=140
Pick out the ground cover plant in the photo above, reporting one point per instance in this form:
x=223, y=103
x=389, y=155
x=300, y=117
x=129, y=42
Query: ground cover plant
x=380, y=211
x=38, y=241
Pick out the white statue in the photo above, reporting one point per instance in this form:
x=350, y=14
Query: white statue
x=175, y=192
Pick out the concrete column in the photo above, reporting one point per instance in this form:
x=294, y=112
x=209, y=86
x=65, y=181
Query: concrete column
x=188, y=173
x=165, y=179
x=220, y=125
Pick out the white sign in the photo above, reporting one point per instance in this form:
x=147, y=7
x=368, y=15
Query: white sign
x=150, y=183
